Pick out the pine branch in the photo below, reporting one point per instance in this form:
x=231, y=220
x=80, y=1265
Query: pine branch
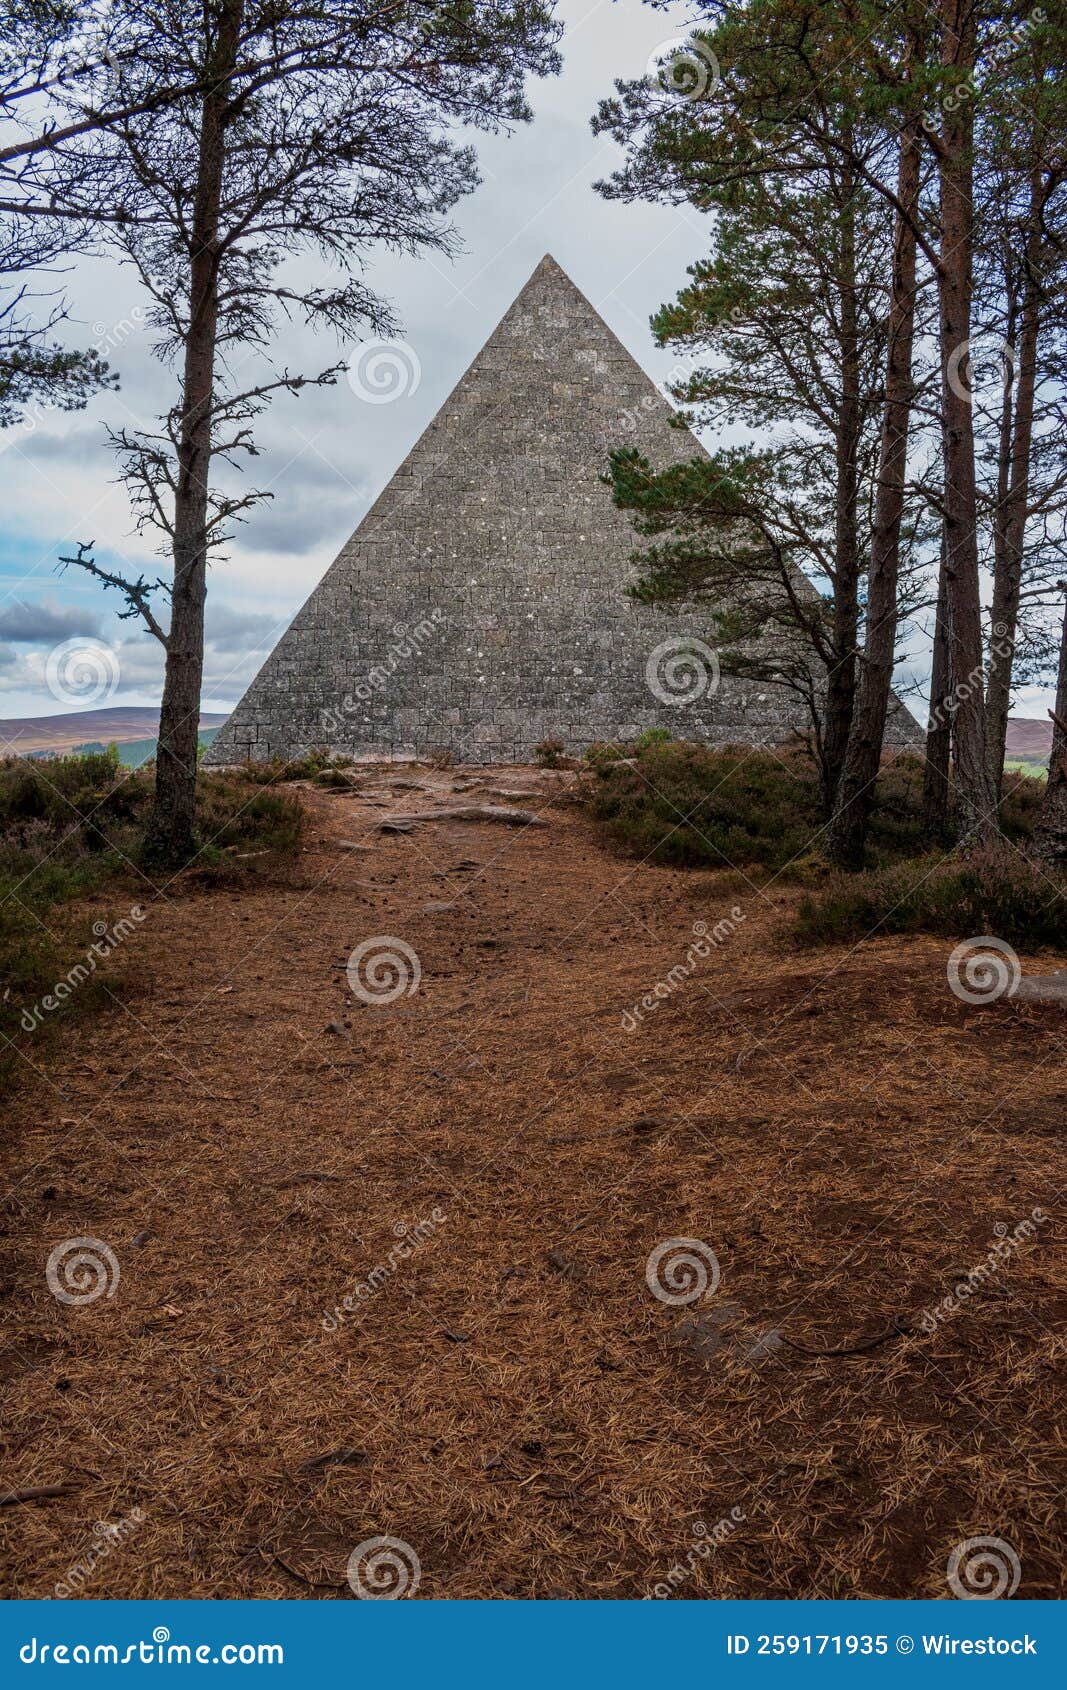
x=136, y=593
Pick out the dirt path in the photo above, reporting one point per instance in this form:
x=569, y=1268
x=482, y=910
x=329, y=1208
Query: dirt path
x=483, y=1168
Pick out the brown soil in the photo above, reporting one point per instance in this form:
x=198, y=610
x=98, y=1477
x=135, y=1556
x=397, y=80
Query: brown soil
x=510, y=1399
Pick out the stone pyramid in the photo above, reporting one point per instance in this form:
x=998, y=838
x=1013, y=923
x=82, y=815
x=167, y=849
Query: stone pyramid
x=480, y=605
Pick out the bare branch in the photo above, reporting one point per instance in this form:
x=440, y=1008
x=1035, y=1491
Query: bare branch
x=136, y=593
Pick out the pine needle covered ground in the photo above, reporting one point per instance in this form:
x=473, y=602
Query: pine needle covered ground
x=483, y=1167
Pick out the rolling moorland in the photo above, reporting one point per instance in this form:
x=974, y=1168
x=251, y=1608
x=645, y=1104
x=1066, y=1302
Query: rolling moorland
x=127, y=726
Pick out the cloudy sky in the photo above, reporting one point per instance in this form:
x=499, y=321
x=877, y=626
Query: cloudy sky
x=326, y=455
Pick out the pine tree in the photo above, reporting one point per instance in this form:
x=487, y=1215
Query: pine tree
x=799, y=142
x=1050, y=835
x=763, y=340
x=311, y=132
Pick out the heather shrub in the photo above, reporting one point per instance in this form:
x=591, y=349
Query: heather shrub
x=994, y=891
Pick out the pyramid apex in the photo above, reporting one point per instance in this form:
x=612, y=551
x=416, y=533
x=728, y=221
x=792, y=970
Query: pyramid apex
x=549, y=281
x=550, y=266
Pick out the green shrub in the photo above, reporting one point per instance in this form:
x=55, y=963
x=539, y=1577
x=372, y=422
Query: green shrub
x=233, y=818
x=995, y=891
x=604, y=751
x=681, y=803
x=57, y=823
x=1023, y=797
x=694, y=806
x=78, y=819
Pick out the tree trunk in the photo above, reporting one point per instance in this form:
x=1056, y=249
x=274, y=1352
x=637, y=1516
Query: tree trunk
x=840, y=699
x=171, y=837
x=1050, y=835
x=848, y=832
x=977, y=794
x=841, y=681
x=938, y=732
x=1012, y=504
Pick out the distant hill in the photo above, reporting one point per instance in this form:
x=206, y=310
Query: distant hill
x=1030, y=738
x=125, y=724
x=133, y=752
